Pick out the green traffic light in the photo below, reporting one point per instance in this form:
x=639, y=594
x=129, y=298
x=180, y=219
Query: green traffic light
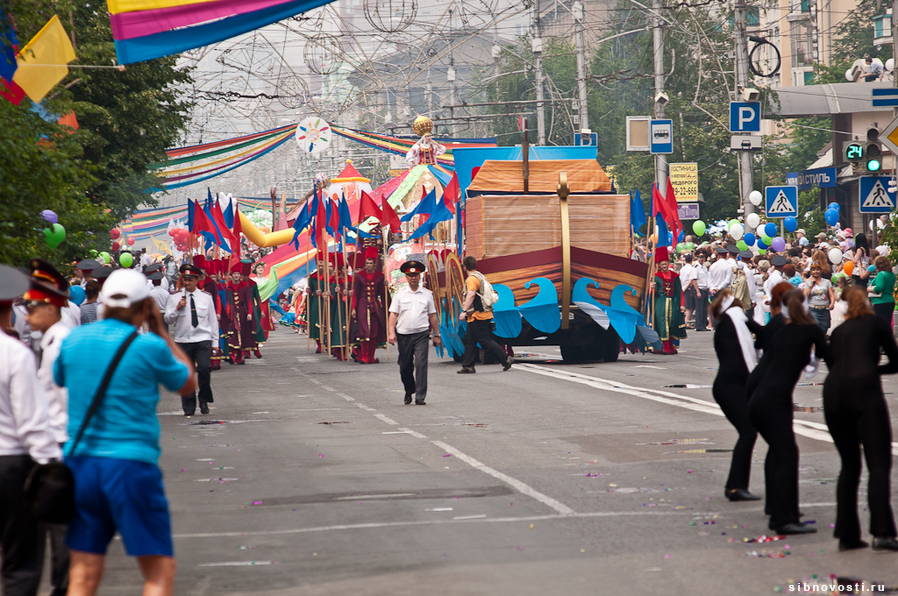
x=874, y=165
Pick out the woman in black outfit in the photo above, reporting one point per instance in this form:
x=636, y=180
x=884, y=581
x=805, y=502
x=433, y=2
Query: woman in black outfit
x=737, y=356
x=856, y=414
x=770, y=409
x=777, y=320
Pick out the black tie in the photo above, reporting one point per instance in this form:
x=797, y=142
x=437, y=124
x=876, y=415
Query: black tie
x=193, y=318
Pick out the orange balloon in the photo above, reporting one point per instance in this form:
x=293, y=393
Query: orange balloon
x=654, y=238
x=849, y=268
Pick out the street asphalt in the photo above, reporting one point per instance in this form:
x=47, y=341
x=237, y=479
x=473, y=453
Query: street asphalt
x=310, y=477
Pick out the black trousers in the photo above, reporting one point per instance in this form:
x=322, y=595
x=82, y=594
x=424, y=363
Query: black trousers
x=856, y=414
x=774, y=422
x=22, y=540
x=201, y=354
x=732, y=400
x=701, y=310
x=413, y=351
x=480, y=332
x=59, y=558
x=885, y=310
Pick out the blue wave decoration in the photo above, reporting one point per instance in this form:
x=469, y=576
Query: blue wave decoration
x=505, y=313
x=543, y=312
x=620, y=315
x=587, y=304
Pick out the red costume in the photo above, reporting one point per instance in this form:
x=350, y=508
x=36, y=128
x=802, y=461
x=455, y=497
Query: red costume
x=239, y=311
x=370, y=310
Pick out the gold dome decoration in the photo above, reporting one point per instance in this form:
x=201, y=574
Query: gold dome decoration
x=423, y=125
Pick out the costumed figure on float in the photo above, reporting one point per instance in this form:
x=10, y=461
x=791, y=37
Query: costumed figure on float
x=209, y=285
x=670, y=321
x=368, y=308
x=425, y=150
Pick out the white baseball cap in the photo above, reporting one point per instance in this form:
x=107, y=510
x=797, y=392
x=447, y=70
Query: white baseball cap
x=123, y=288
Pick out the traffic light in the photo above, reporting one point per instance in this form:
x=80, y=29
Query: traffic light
x=873, y=150
x=854, y=152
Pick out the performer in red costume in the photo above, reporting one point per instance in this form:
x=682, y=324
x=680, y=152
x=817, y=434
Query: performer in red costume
x=670, y=321
x=207, y=284
x=239, y=314
x=368, y=308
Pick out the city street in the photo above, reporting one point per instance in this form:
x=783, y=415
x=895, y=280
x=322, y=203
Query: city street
x=311, y=477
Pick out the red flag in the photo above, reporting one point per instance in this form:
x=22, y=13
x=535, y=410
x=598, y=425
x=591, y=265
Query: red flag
x=238, y=229
x=334, y=222
x=390, y=218
x=201, y=223
x=452, y=193
x=11, y=92
x=671, y=199
x=218, y=218
x=368, y=208
x=318, y=226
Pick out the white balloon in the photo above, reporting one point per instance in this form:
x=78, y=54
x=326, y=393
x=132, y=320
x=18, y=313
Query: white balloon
x=835, y=256
x=755, y=197
x=890, y=64
x=753, y=220
x=848, y=76
x=736, y=231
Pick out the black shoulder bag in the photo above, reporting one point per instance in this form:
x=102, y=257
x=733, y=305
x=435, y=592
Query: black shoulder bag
x=50, y=487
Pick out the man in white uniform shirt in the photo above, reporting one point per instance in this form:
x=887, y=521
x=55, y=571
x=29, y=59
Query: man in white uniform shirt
x=25, y=438
x=720, y=274
x=701, y=280
x=687, y=275
x=192, y=312
x=412, y=317
x=45, y=302
x=774, y=276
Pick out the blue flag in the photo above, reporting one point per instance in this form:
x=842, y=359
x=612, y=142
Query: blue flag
x=664, y=238
x=440, y=213
x=427, y=206
x=301, y=223
x=637, y=213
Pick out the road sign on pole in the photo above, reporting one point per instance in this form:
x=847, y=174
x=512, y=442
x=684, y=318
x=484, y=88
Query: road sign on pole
x=745, y=116
x=781, y=201
x=885, y=98
x=874, y=196
x=889, y=136
x=661, y=136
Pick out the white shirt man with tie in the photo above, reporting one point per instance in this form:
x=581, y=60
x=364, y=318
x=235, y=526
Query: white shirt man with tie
x=192, y=312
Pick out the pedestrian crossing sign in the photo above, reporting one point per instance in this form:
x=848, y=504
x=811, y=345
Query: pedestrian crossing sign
x=781, y=201
x=874, y=195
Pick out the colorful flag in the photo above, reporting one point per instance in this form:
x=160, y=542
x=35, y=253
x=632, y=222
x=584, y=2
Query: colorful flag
x=671, y=199
x=425, y=206
x=237, y=227
x=42, y=63
x=637, y=212
x=8, y=46
x=452, y=193
x=368, y=208
x=301, y=223
x=440, y=213
x=390, y=217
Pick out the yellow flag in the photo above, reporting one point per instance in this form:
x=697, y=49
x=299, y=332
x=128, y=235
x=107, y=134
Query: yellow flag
x=42, y=63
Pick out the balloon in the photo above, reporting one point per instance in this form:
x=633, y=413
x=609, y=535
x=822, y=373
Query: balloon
x=848, y=268
x=763, y=245
x=54, y=235
x=741, y=245
x=832, y=216
x=732, y=223
x=833, y=205
x=653, y=238
x=835, y=256
x=753, y=219
x=755, y=197
x=749, y=239
x=762, y=251
x=736, y=231
x=94, y=253
x=130, y=241
x=104, y=256
x=699, y=228
x=116, y=246
x=126, y=260
x=790, y=223
x=50, y=216
x=690, y=246
x=115, y=233
x=680, y=247
x=778, y=244
x=770, y=229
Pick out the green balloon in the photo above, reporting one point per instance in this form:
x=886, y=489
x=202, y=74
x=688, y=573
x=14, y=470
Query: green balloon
x=126, y=260
x=766, y=239
x=741, y=245
x=94, y=253
x=699, y=228
x=104, y=256
x=54, y=235
x=731, y=223
x=763, y=251
x=690, y=246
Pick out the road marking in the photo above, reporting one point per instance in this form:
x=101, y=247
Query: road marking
x=806, y=428
x=364, y=407
x=516, y=484
x=387, y=420
x=376, y=525
x=236, y=564
x=384, y=496
x=417, y=435
x=328, y=388
x=346, y=397
x=396, y=432
x=460, y=517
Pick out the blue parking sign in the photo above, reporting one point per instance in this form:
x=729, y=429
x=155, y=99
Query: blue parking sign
x=745, y=116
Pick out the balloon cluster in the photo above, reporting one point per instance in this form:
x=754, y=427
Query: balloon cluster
x=55, y=234
x=181, y=237
x=831, y=215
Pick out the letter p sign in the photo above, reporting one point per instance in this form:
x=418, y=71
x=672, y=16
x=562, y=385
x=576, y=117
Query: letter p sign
x=745, y=116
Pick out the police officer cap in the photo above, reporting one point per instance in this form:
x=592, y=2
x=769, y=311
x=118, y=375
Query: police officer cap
x=152, y=267
x=721, y=250
x=155, y=275
x=779, y=261
x=102, y=272
x=732, y=248
x=88, y=265
x=13, y=283
x=746, y=254
x=412, y=267
x=188, y=269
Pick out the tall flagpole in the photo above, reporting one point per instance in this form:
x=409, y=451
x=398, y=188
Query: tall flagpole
x=386, y=305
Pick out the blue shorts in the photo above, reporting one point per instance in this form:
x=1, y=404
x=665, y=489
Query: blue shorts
x=119, y=495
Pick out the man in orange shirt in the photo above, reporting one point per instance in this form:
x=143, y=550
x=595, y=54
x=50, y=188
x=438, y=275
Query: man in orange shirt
x=480, y=322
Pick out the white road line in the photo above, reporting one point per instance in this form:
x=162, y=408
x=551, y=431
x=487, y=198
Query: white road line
x=364, y=407
x=375, y=525
x=328, y=388
x=387, y=420
x=516, y=484
x=346, y=397
x=806, y=428
x=236, y=564
x=417, y=435
x=396, y=432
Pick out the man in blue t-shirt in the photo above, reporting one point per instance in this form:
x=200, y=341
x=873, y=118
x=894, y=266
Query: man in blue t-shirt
x=118, y=485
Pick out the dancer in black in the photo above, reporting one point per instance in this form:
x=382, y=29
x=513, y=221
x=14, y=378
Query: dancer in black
x=856, y=414
x=777, y=320
x=770, y=409
x=737, y=356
